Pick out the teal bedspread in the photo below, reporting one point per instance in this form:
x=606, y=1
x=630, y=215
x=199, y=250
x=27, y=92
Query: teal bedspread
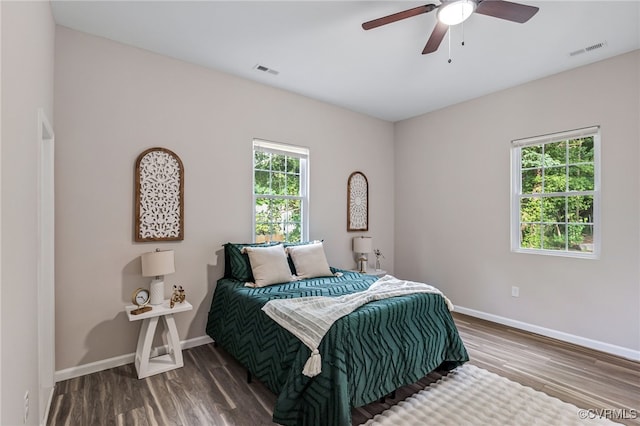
x=365, y=355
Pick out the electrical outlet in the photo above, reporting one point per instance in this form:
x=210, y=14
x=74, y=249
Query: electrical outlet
x=26, y=407
x=515, y=291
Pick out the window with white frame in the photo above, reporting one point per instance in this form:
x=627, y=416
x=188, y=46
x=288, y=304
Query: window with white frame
x=556, y=194
x=280, y=195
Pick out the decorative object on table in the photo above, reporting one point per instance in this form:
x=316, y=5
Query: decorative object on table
x=362, y=247
x=379, y=255
x=141, y=299
x=157, y=264
x=159, y=199
x=357, y=202
x=177, y=296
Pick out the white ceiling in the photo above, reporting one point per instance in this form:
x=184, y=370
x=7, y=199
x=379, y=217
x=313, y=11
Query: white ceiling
x=320, y=49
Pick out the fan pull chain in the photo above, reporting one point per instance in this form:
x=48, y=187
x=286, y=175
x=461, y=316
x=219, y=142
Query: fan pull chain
x=449, y=61
x=463, y=33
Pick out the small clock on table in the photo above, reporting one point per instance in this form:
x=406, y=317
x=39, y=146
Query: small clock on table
x=141, y=299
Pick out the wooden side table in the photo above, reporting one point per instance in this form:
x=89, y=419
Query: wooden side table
x=145, y=364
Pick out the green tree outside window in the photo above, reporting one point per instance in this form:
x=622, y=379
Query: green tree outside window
x=279, y=196
x=557, y=195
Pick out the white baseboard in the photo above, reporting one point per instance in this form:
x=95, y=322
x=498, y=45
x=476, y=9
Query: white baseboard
x=620, y=351
x=94, y=367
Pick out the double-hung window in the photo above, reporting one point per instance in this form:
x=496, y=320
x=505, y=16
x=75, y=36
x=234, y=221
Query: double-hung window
x=556, y=194
x=280, y=195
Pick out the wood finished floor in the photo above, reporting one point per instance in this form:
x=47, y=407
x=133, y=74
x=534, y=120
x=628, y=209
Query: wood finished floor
x=211, y=389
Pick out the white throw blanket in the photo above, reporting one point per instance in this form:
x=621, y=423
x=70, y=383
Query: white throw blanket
x=309, y=318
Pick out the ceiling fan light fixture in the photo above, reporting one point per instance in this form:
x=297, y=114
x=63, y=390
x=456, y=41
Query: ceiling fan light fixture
x=456, y=12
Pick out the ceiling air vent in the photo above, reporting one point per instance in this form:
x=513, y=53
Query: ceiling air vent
x=588, y=48
x=596, y=46
x=265, y=69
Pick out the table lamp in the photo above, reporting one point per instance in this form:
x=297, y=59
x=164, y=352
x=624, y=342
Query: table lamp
x=362, y=246
x=157, y=264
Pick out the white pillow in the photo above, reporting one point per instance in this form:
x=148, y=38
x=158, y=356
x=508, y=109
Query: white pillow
x=269, y=265
x=309, y=260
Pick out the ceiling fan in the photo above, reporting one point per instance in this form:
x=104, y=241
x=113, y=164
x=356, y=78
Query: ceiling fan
x=453, y=12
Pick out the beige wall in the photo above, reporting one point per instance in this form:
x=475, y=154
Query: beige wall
x=27, y=84
x=453, y=208
x=112, y=102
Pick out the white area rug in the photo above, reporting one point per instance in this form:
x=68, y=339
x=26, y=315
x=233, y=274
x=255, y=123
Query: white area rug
x=470, y=395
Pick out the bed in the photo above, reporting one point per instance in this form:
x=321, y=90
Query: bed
x=366, y=354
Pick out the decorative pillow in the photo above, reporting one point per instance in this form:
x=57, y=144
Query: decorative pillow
x=237, y=264
x=310, y=260
x=300, y=243
x=269, y=265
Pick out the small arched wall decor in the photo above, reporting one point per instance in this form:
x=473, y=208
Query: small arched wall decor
x=159, y=200
x=357, y=202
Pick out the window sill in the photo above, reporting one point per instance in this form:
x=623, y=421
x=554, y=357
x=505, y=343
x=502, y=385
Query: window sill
x=576, y=255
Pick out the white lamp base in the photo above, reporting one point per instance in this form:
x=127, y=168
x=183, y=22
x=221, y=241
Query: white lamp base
x=157, y=291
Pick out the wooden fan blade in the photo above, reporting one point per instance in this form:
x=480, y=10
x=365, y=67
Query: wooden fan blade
x=503, y=9
x=398, y=16
x=437, y=35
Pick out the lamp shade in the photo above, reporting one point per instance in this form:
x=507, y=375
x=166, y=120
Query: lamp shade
x=362, y=244
x=157, y=263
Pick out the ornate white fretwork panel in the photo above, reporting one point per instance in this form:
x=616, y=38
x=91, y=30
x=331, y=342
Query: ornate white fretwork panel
x=357, y=202
x=159, y=196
